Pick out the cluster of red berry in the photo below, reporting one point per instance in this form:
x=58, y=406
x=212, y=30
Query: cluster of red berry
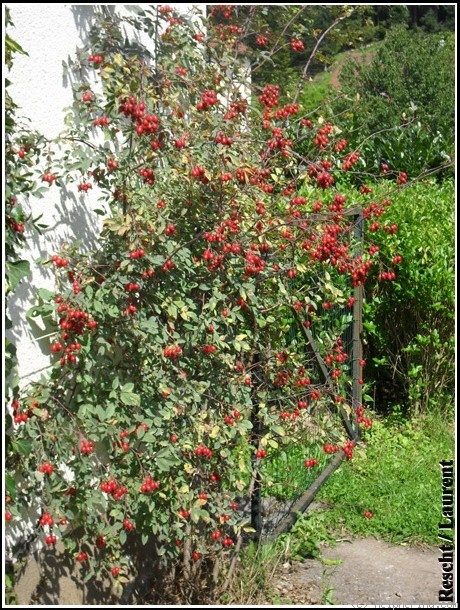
x=172, y=352
x=348, y=449
x=48, y=177
x=132, y=286
x=270, y=96
x=208, y=99
x=209, y=349
x=375, y=226
x=73, y=321
x=139, y=253
x=297, y=45
x=321, y=140
x=200, y=174
x=373, y=249
x=46, y=468
x=254, y=264
x=387, y=275
x=236, y=108
x=341, y=144
x=46, y=519
x=286, y=111
x=261, y=41
x=391, y=229
x=128, y=525
x=147, y=175
x=221, y=138
x=204, y=451
x=285, y=415
x=361, y=419
x=376, y=209
x=102, y=121
x=324, y=180
x=18, y=227
x=170, y=230
x=227, y=542
x=111, y=487
x=86, y=447
x=350, y=160
x=149, y=485
x=19, y=417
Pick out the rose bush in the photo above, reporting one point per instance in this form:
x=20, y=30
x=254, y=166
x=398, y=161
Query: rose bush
x=180, y=360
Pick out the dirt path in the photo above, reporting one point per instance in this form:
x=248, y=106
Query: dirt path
x=365, y=571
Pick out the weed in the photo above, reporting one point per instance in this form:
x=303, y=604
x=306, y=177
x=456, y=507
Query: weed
x=308, y=533
x=254, y=571
x=328, y=590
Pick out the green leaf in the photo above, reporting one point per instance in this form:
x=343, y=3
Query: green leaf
x=166, y=459
x=130, y=398
x=150, y=325
x=172, y=311
x=46, y=295
x=110, y=411
x=17, y=271
x=10, y=485
x=13, y=47
x=22, y=447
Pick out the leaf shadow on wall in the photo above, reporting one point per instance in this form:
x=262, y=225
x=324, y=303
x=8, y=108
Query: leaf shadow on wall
x=75, y=222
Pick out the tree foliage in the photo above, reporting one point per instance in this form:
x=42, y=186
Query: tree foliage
x=403, y=101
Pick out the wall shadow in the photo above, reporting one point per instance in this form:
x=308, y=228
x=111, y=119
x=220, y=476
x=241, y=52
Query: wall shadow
x=52, y=577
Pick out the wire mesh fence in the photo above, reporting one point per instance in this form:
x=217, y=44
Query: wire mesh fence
x=327, y=430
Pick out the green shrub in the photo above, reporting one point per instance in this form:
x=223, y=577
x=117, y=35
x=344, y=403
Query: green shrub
x=409, y=328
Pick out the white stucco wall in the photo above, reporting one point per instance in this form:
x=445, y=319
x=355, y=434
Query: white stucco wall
x=49, y=33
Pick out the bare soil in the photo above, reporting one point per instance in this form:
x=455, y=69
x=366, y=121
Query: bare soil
x=363, y=571
x=357, y=56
